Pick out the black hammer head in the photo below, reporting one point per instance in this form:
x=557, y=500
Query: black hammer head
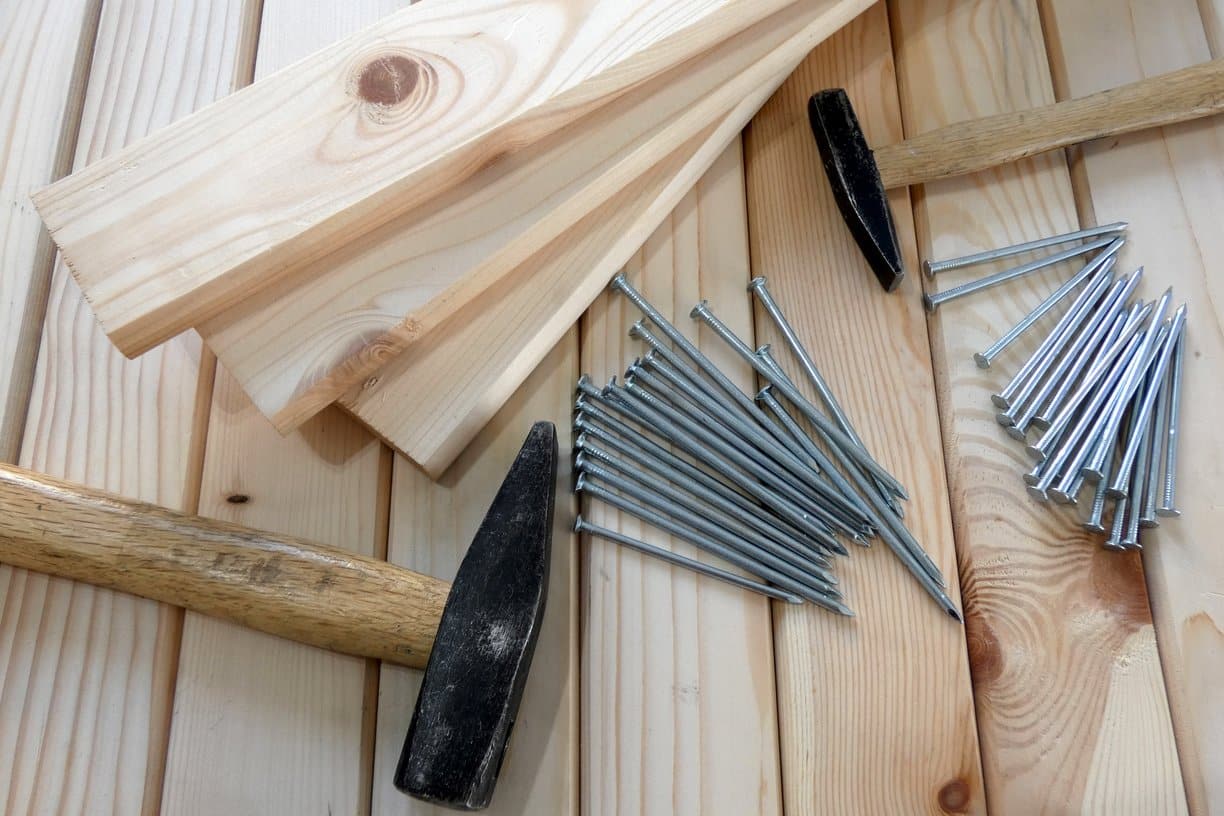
x=855, y=179
x=474, y=679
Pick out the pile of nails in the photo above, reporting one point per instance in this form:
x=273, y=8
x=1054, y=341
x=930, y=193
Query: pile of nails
x=1097, y=403
x=683, y=449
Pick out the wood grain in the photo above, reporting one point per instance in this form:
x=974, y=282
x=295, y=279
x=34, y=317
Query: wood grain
x=44, y=57
x=300, y=715
x=967, y=147
x=88, y=677
x=885, y=695
x=1071, y=706
x=301, y=344
x=1169, y=184
x=324, y=596
x=349, y=138
x=430, y=401
x=678, y=705
x=432, y=524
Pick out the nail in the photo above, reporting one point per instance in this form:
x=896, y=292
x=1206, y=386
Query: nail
x=1114, y=542
x=780, y=503
x=702, y=497
x=934, y=267
x=663, y=554
x=1096, y=515
x=1147, y=465
x=719, y=526
x=1101, y=279
x=1118, y=487
x=1053, y=354
x=985, y=358
x=1134, y=507
x=656, y=411
x=935, y=300
x=1169, y=437
x=708, y=544
x=1096, y=326
x=1100, y=370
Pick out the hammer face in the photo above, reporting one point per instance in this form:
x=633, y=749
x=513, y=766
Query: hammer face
x=486, y=638
x=856, y=184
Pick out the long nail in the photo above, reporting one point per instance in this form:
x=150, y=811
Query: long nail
x=666, y=555
x=708, y=544
x=934, y=267
x=985, y=358
x=1096, y=516
x=719, y=526
x=1102, y=278
x=1169, y=492
x=933, y=301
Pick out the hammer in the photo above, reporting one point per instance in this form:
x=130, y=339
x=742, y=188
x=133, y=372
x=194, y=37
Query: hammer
x=859, y=176
x=475, y=642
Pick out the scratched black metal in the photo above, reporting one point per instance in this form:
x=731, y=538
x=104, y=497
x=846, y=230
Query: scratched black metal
x=486, y=638
x=856, y=184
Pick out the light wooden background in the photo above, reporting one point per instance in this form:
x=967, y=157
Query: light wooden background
x=1082, y=682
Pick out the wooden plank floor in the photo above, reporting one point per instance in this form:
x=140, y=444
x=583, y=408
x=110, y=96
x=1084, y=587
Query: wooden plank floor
x=1083, y=681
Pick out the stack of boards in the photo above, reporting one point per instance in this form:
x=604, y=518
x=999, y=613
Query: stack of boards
x=406, y=222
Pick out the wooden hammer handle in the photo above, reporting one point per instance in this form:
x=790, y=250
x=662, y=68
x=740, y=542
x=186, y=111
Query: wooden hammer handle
x=318, y=595
x=993, y=140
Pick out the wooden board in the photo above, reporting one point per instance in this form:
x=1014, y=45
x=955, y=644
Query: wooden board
x=302, y=343
x=1071, y=706
x=432, y=524
x=44, y=58
x=678, y=705
x=88, y=674
x=430, y=401
x=1168, y=183
x=348, y=139
x=875, y=712
x=298, y=712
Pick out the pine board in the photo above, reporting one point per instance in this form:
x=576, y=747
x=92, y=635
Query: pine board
x=1169, y=183
x=296, y=711
x=44, y=57
x=1072, y=712
x=432, y=524
x=885, y=695
x=678, y=705
x=301, y=344
x=88, y=673
x=347, y=139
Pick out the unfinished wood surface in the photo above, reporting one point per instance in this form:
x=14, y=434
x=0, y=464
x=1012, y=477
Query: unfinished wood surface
x=432, y=524
x=885, y=695
x=302, y=343
x=678, y=705
x=966, y=147
x=1071, y=706
x=431, y=400
x=88, y=673
x=44, y=57
x=1169, y=184
x=301, y=716
x=348, y=139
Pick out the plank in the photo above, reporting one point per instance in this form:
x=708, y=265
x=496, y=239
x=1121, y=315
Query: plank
x=1071, y=706
x=1167, y=183
x=349, y=138
x=301, y=344
x=50, y=41
x=840, y=682
x=678, y=705
x=430, y=401
x=432, y=524
x=88, y=673
x=298, y=713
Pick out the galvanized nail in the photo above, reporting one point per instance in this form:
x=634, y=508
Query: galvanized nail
x=675, y=559
x=1168, y=494
x=934, y=267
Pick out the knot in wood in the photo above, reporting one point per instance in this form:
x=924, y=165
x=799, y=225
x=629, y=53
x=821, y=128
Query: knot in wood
x=389, y=79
